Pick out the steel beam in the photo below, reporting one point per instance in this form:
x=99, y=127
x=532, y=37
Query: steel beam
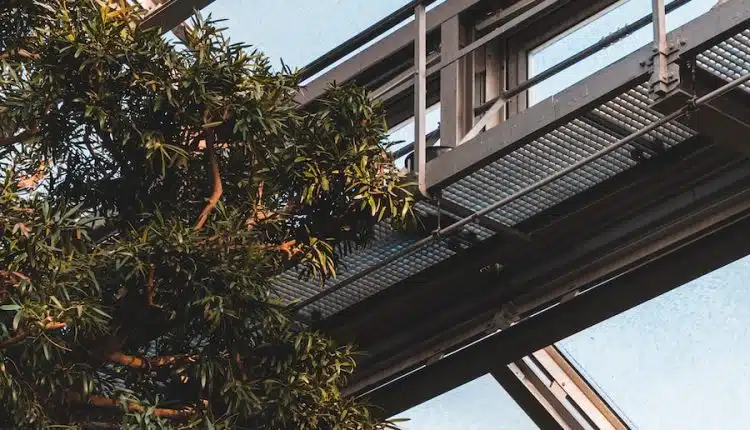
x=723, y=242
x=717, y=24
x=466, y=316
x=399, y=40
x=530, y=393
x=360, y=39
x=172, y=13
x=495, y=77
x=725, y=120
x=506, y=14
x=573, y=389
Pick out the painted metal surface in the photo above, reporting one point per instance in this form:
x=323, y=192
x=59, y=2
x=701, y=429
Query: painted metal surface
x=564, y=138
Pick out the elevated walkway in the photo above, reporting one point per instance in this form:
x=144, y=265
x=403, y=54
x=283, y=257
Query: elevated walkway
x=553, y=215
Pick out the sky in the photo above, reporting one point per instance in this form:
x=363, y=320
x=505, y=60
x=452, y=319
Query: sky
x=680, y=361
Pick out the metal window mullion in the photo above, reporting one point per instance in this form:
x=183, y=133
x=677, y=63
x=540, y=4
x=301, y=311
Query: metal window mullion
x=420, y=96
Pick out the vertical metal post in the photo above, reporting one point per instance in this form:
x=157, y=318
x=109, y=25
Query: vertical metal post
x=660, y=77
x=494, y=78
x=420, y=97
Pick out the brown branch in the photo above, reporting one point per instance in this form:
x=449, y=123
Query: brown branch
x=20, y=137
x=135, y=362
x=21, y=334
x=289, y=247
x=20, y=52
x=150, y=285
x=216, y=195
x=130, y=406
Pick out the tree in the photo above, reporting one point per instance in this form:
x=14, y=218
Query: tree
x=150, y=192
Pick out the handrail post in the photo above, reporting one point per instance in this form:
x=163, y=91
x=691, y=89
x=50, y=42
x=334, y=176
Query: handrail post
x=663, y=76
x=420, y=97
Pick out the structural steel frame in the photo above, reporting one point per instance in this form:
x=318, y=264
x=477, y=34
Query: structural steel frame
x=697, y=223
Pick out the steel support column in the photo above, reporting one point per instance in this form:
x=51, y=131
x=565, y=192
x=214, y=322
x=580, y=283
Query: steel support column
x=456, y=83
x=660, y=75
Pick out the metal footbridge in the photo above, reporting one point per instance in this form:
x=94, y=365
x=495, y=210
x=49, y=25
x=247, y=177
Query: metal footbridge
x=549, y=215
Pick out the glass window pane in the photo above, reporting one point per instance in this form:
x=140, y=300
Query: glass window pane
x=680, y=361
x=403, y=134
x=481, y=404
x=583, y=36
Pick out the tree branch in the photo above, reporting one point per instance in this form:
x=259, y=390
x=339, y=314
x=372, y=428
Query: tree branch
x=150, y=285
x=289, y=247
x=130, y=406
x=20, y=52
x=21, y=334
x=20, y=137
x=135, y=362
x=216, y=195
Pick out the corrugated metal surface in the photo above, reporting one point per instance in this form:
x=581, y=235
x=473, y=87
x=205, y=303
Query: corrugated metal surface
x=544, y=156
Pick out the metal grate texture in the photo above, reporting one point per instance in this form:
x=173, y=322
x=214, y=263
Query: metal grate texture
x=542, y=157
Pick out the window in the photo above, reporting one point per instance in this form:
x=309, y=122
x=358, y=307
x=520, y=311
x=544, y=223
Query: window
x=589, y=32
x=404, y=132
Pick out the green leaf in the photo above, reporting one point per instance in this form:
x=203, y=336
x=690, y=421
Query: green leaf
x=13, y=307
x=17, y=319
x=101, y=312
x=56, y=302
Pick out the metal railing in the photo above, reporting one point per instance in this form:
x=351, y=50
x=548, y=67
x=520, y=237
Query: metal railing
x=692, y=105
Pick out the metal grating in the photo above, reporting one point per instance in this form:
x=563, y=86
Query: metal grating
x=728, y=59
x=544, y=156
x=557, y=150
x=385, y=243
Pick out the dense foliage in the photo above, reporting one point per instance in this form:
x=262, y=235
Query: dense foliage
x=149, y=192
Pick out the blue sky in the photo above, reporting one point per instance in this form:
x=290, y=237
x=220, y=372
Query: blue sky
x=680, y=361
